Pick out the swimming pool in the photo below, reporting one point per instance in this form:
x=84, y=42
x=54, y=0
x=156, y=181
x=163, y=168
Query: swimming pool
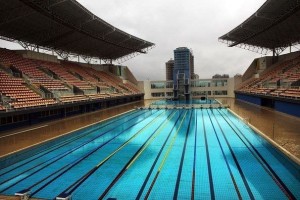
x=156, y=154
x=184, y=102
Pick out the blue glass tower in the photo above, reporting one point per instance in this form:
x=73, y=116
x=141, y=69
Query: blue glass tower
x=182, y=73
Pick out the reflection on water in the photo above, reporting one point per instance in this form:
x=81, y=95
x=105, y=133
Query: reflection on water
x=284, y=129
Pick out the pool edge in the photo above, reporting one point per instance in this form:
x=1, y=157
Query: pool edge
x=53, y=138
x=275, y=144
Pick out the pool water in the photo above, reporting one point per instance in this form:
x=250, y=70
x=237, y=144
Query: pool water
x=156, y=154
x=184, y=102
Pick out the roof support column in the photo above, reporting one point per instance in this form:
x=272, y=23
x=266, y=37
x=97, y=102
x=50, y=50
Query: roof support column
x=275, y=56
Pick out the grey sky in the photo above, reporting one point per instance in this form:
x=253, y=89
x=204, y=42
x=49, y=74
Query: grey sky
x=169, y=24
x=196, y=24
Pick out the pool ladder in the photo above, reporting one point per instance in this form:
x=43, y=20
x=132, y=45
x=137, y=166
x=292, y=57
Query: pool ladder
x=23, y=194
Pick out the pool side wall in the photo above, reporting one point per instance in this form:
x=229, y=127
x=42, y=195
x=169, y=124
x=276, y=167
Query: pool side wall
x=291, y=107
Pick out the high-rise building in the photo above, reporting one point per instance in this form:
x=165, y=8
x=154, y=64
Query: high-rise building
x=169, y=69
x=193, y=75
x=192, y=65
x=183, y=59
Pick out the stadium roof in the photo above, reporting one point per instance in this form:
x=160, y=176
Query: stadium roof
x=274, y=26
x=66, y=26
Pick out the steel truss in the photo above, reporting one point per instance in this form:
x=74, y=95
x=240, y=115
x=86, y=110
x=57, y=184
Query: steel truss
x=130, y=56
x=69, y=56
x=45, y=25
x=255, y=49
x=260, y=50
x=272, y=28
x=47, y=11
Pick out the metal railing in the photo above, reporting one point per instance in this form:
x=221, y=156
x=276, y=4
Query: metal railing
x=185, y=106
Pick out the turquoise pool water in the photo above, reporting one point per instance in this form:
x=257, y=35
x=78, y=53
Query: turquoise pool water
x=156, y=154
x=184, y=102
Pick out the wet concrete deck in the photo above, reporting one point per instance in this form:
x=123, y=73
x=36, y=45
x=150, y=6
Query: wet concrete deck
x=282, y=128
x=21, y=138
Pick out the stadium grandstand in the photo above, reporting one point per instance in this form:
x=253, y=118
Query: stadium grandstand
x=35, y=86
x=209, y=146
x=272, y=81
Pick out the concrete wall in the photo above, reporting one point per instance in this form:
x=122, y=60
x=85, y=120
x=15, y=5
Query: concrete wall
x=251, y=70
x=96, y=66
x=230, y=87
x=128, y=75
x=37, y=56
x=238, y=79
x=145, y=86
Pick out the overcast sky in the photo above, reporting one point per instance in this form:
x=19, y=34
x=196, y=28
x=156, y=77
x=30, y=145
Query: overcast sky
x=169, y=24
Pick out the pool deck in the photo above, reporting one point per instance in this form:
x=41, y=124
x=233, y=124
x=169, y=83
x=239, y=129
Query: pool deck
x=3, y=197
x=282, y=128
x=15, y=140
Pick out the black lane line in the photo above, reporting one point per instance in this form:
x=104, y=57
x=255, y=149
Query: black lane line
x=211, y=184
x=263, y=162
x=124, y=169
x=59, y=145
x=156, y=160
x=70, y=165
x=182, y=158
x=195, y=155
x=77, y=183
x=165, y=156
x=224, y=156
x=56, y=146
x=63, y=155
x=50, y=181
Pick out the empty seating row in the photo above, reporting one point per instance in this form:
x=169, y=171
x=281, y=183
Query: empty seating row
x=81, y=71
x=291, y=93
x=73, y=98
x=63, y=73
x=29, y=68
x=20, y=95
x=34, y=103
x=98, y=96
x=276, y=81
x=109, y=80
x=132, y=87
x=24, y=82
x=2, y=108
